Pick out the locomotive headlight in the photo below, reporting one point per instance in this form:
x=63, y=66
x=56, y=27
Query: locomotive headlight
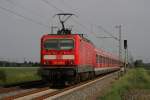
x=49, y=57
x=67, y=56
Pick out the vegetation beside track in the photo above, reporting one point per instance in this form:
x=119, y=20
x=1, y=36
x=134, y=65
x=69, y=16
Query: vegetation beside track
x=135, y=79
x=16, y=75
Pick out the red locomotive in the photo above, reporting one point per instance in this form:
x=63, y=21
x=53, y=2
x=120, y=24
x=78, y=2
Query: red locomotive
x=70, y=57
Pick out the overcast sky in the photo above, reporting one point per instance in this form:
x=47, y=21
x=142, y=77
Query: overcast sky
x=23, y=22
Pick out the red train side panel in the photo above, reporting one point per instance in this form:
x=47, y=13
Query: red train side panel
x=105, y=62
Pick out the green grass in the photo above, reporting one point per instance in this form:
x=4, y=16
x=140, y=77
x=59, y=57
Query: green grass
x=16, y=75
x=138, y=78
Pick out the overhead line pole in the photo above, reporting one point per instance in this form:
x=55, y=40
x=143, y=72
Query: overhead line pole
x=120, y=41
x=110, y=34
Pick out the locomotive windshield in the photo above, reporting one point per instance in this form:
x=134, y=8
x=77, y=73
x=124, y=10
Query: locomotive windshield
x=59, y=44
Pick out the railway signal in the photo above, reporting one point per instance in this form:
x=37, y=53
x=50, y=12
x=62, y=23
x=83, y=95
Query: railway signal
x=125, y=44
x=126, y=54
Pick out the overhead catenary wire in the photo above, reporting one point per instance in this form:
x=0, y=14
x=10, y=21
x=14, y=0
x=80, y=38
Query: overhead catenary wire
x=83, y=26
x=62, y=11
x=29, y=19
x=69, y=6
x=22, y=7
x=76, y=11
x=22, y=16
x=107, y=32
x=52, y=5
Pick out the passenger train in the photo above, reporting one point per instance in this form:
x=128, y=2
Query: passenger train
x=71, y=58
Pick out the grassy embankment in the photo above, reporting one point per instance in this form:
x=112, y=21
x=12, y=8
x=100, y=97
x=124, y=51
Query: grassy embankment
x=134, y=79
x=16, y=75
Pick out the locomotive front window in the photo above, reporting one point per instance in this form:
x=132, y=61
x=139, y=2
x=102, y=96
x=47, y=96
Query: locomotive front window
x=66, y=44
x=51, y=44
x=59, y=44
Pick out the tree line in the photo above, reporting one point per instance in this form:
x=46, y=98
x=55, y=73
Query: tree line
x=17, y=64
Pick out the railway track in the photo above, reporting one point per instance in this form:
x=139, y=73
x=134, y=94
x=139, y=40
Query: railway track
x=63, y=92
x=17, y=87
x=20, y=89
x=6, y=90
x=27, y=93
x=68, y=92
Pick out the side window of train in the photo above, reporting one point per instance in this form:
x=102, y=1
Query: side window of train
x=100, y=59
x=104, y=60
x=96, y=58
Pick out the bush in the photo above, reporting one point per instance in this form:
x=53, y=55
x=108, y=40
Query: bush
x=16, y=75
x=138, y=78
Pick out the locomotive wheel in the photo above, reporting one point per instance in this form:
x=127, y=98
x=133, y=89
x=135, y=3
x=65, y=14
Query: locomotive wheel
x=92, y=75
x=77, y=79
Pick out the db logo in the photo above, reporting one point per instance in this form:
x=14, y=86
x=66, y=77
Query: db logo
x=59, y=57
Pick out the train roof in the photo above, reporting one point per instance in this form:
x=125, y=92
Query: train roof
x=106, y=54
x=80, y=35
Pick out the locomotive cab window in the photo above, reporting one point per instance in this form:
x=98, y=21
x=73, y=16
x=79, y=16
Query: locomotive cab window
x=59, y=44
x=66, y=44
x=51, y=44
